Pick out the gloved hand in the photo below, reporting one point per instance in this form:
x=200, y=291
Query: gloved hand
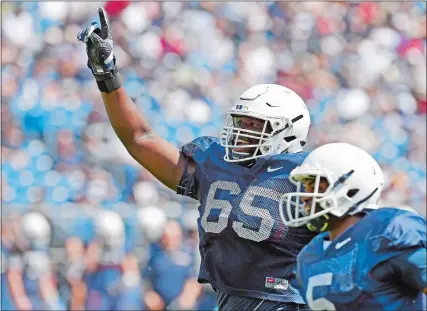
x=99, y=49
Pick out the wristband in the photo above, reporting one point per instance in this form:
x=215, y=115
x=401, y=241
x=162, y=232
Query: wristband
x=108, y=81
x=110, y=84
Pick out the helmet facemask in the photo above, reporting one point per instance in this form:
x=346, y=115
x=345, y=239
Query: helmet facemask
x=317, y=207
x=269, y=136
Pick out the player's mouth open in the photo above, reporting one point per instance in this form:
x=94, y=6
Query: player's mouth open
x=307, y=208
x=243, y=144
x=243, y=141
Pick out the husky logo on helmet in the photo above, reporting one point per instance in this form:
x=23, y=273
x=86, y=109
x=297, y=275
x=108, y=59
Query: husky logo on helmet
x=282, y=118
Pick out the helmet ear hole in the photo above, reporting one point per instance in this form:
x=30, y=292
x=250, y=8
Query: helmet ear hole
x=289, y=138
x=269, y=128
x=352, y=192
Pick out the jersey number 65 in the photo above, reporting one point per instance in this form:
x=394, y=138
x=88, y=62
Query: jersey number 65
x=246, y=205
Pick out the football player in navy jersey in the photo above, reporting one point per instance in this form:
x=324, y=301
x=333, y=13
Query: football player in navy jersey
x=366, y=258
x=247, y=254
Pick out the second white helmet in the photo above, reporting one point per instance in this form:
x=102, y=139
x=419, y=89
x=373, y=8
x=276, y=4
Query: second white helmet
x=110, y=228
x=354, y=178
x=36, y=230
x=152, y=221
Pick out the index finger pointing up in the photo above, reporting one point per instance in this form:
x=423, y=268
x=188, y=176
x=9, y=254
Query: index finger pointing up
x=103, y=19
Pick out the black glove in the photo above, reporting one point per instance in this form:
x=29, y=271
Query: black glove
x=99, y=49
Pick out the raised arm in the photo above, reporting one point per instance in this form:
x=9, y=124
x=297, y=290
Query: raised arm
x=158, y=156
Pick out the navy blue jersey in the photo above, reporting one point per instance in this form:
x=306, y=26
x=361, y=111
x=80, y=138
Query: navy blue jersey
x=108, y=272
x=245, y=248
x=168, y=271
x=107, y=288
x=354, y=272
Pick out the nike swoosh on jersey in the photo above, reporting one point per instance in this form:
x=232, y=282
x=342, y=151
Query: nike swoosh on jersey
x=269, y=169
x=341, y=244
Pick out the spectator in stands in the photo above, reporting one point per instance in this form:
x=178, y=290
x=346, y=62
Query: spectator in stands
x=360, y=67
x=170, y=272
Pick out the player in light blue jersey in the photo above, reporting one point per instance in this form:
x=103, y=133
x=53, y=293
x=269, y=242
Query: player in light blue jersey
x=30, y=276
x=247, y=254
x=366, y=258
x=112, y=284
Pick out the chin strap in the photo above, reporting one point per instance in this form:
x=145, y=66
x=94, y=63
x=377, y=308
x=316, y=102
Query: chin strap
x=248, y=163
x=319, y=224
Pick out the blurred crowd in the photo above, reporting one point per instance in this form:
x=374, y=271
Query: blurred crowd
x=106, y=263
x=360, y=67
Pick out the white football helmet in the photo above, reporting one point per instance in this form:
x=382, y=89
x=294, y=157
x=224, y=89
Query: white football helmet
x=110, y=228
x=152, y=221
x=36, y=230
x=285, y=117
x=355, y=181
